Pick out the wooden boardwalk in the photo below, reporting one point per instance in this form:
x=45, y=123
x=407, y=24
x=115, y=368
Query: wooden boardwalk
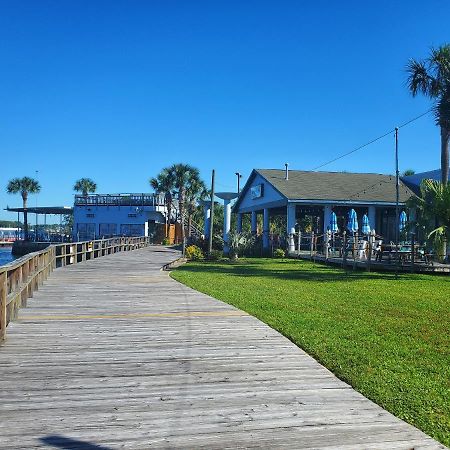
x=113, y=354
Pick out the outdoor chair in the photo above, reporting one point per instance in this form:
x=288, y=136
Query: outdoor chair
x=363, y=248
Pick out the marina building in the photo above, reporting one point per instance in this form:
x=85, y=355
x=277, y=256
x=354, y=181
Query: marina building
x=97, y=216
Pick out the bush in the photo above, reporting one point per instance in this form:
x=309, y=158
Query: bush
x=279, y=253
x=215, y=255
x=193, y=252
x=166, y=241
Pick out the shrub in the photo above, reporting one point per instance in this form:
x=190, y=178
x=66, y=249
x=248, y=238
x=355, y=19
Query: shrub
x=193, y=252
x=215, y=255
x=279, y=253
x=166, y=241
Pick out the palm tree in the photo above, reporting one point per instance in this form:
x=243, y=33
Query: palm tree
x=25, y=186
x=433, y=206
x=431, y=77
x=196, y=191
x=163, y=184
x=184, y=177
x=85, y=186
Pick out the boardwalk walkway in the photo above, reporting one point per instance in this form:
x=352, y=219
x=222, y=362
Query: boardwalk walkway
x=113, y=354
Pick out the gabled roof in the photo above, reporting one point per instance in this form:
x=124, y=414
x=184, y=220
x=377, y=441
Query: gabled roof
x=413, y=181
x=337, y=186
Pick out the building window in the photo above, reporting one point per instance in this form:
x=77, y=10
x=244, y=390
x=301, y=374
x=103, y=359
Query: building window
x=107, y=229
x=131, y=229
x=85, y=231
x=132, y=215
x=90, y=215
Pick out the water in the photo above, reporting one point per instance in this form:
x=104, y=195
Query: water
x=5, y=255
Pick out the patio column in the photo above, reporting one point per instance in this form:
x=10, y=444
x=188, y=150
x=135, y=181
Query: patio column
x=290, y=225
x=266, y=228
x=239, y=223
x=254, y=222
x=327, y=210
x=372, y=217
x=207, y=217
x=226, y=197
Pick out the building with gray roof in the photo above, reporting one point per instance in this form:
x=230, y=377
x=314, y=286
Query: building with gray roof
x=297, y=193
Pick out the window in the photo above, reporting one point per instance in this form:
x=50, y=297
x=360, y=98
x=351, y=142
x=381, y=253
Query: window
x=130, y=229
x=90, y=215
x=85, y=231
x=107, y=229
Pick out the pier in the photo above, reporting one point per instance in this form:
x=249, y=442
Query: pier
x=111, y=353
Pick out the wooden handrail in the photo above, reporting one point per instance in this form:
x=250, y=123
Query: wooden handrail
x=22, y=277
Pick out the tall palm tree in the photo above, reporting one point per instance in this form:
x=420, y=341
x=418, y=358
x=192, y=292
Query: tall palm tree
x=163, y=184
x=25, y=186
x=431, y=77
x=184, y=177
x=196, y=191
x=85, y=186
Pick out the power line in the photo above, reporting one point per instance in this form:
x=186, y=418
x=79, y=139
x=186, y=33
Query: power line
x=372, y=141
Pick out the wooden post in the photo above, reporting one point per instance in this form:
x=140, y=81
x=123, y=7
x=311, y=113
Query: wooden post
x=326, y=241
x=413, y=251
x=311, y=247
x=3, y=295
x=369, y=256
x=299, y=241
x=344, y=250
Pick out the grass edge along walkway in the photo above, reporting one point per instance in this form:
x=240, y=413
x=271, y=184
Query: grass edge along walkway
x=387, y=338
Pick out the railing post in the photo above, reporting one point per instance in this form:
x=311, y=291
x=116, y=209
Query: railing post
x=3, y=294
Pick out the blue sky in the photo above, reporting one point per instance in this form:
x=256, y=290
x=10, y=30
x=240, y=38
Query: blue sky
x=116, y=90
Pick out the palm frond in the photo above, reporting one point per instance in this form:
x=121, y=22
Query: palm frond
x=419, y=80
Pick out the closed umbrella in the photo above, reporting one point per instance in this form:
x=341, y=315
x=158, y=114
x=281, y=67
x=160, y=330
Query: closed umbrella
x=365, y=225
x=333, y=223
x=352, y=224
x=403, y=220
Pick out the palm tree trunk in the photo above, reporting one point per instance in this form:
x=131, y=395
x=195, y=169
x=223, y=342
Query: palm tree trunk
x=190, y=224
x=25, y=218
x=181, y=206
x=445, y=133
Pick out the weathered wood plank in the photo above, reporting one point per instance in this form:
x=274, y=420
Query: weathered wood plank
x=114, y=353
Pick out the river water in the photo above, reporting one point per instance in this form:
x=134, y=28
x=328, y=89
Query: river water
x=5, y=255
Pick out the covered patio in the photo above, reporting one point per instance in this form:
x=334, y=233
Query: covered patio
x=305, y=201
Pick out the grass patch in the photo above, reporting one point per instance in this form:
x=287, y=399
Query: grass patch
x=388, y=338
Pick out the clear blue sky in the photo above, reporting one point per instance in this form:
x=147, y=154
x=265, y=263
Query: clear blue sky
x=116, y=90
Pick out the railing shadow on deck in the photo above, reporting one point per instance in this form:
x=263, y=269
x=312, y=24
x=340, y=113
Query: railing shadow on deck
x=21, y=278
x=69, y=443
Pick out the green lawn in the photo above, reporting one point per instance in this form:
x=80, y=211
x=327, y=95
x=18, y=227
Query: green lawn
x=388, y=338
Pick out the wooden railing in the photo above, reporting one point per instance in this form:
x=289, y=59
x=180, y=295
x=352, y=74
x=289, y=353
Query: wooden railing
x=21, y=278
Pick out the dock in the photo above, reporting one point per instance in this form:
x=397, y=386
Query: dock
x=111, y=353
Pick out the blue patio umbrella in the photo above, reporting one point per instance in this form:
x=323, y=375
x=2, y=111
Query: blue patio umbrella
x=365, y=225
x=352, y=224
x=402, y=221
x=333, y=223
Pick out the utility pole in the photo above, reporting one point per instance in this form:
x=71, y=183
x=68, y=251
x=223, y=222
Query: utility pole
x=397, y=199
x=211, y=217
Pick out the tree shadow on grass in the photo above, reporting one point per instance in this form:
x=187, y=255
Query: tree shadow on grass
x=300, y=273
x=69, y=443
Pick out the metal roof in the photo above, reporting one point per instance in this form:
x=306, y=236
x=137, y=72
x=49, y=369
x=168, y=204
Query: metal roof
x=43, y=210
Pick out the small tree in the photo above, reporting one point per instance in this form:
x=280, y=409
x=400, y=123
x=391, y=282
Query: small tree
x=433, y=206
x=25, y=186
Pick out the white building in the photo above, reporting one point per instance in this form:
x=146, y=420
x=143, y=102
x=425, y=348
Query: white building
x=98, y=216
